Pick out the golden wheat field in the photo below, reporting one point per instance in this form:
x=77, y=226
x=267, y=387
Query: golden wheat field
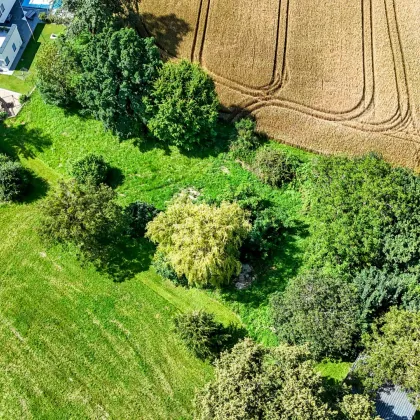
x=333, y=76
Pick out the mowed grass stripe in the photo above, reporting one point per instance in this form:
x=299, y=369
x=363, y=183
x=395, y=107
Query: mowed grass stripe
x=81, y=346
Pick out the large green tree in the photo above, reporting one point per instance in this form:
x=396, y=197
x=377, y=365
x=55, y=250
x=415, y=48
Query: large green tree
x=256, y=383
x=365, y=213
x=201, y=241
x=183, y=106
x=320, y=310
x=93, y=15
x=393, y=353
x=57, y=73
x=119, y=68
x=85, y=216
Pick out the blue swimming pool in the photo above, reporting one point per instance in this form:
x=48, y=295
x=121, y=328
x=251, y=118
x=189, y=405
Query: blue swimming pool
x=33, y=4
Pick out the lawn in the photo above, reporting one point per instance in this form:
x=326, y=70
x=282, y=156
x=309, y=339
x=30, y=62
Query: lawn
x=23, y=82
x=81, y=345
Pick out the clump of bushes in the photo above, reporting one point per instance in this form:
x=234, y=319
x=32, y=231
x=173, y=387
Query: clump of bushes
x=164, y=269
x=139, y=214
x=320, y=310
x=274, y=167
x=13, y=179
x=200, y=241
x=245, y=140
x=268, y=220
x=3, y=115
x=183, y=107
x=92, y=169
x=202, y=334
x=86, y=216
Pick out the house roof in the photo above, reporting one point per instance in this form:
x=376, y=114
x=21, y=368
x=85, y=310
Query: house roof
x=392, y=403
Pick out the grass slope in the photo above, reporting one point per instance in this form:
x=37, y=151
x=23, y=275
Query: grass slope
x=80, y=345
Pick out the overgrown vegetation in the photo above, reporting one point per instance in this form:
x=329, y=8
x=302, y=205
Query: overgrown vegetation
x=203, y=335
x=200, y=241
x=212, y=197
x=13, y=179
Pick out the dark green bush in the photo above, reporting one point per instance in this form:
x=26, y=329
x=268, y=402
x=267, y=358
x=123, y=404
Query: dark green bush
x=139, y=215
x=164, y=269
x=24, y=98
x=265, y=234
x=92, y=169
x=268, y=220
x=378, y=290
x=183, y=106
x=320, y=310
x=274, y=167
x=205, y=337
x=3, y=115
x=13, y=179
x=245, y=140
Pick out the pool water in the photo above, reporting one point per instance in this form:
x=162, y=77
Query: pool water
x=41, y=4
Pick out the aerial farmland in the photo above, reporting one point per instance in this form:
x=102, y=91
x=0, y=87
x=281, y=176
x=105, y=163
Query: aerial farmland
x=328, y=76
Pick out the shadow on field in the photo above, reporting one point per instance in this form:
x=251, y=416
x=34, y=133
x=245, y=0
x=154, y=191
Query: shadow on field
x=272, y=274
x=169, y=30
x=128, y=258
x=38, y=188
x=115, y=177
x=19, y=141
x=219, y=144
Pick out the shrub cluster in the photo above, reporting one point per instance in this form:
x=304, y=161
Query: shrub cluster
x=91, y=169
x=13, y=179
x=245, y=140
x=274, y=167
x=139, y=215
x=202, y=334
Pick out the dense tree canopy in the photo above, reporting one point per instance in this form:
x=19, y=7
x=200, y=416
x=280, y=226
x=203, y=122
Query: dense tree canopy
x=253, y=383
x=92, y=15
x=85, y=216
x=57, y=73
x=119, y=68
x=320, y=310
x=393, y=353
x=365, y=213
x=201, y=241
x=183, y=106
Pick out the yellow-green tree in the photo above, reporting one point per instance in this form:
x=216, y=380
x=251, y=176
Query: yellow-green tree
x=201, y=241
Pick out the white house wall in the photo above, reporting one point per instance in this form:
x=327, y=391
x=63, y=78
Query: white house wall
x=8, y=4
x=8, y=48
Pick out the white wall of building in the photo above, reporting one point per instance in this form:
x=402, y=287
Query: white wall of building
x=8, y=50
x=7, y=4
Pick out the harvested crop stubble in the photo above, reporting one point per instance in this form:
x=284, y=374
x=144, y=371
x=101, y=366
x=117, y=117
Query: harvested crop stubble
x=333, y=76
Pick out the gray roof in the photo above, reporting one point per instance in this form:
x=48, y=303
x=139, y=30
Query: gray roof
x=392, y=403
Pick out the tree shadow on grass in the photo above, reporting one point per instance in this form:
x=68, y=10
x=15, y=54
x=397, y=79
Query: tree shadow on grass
x=128, y=258
x=17, y=140
x=37, y=188
x=274, y=273
x=115, y=177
